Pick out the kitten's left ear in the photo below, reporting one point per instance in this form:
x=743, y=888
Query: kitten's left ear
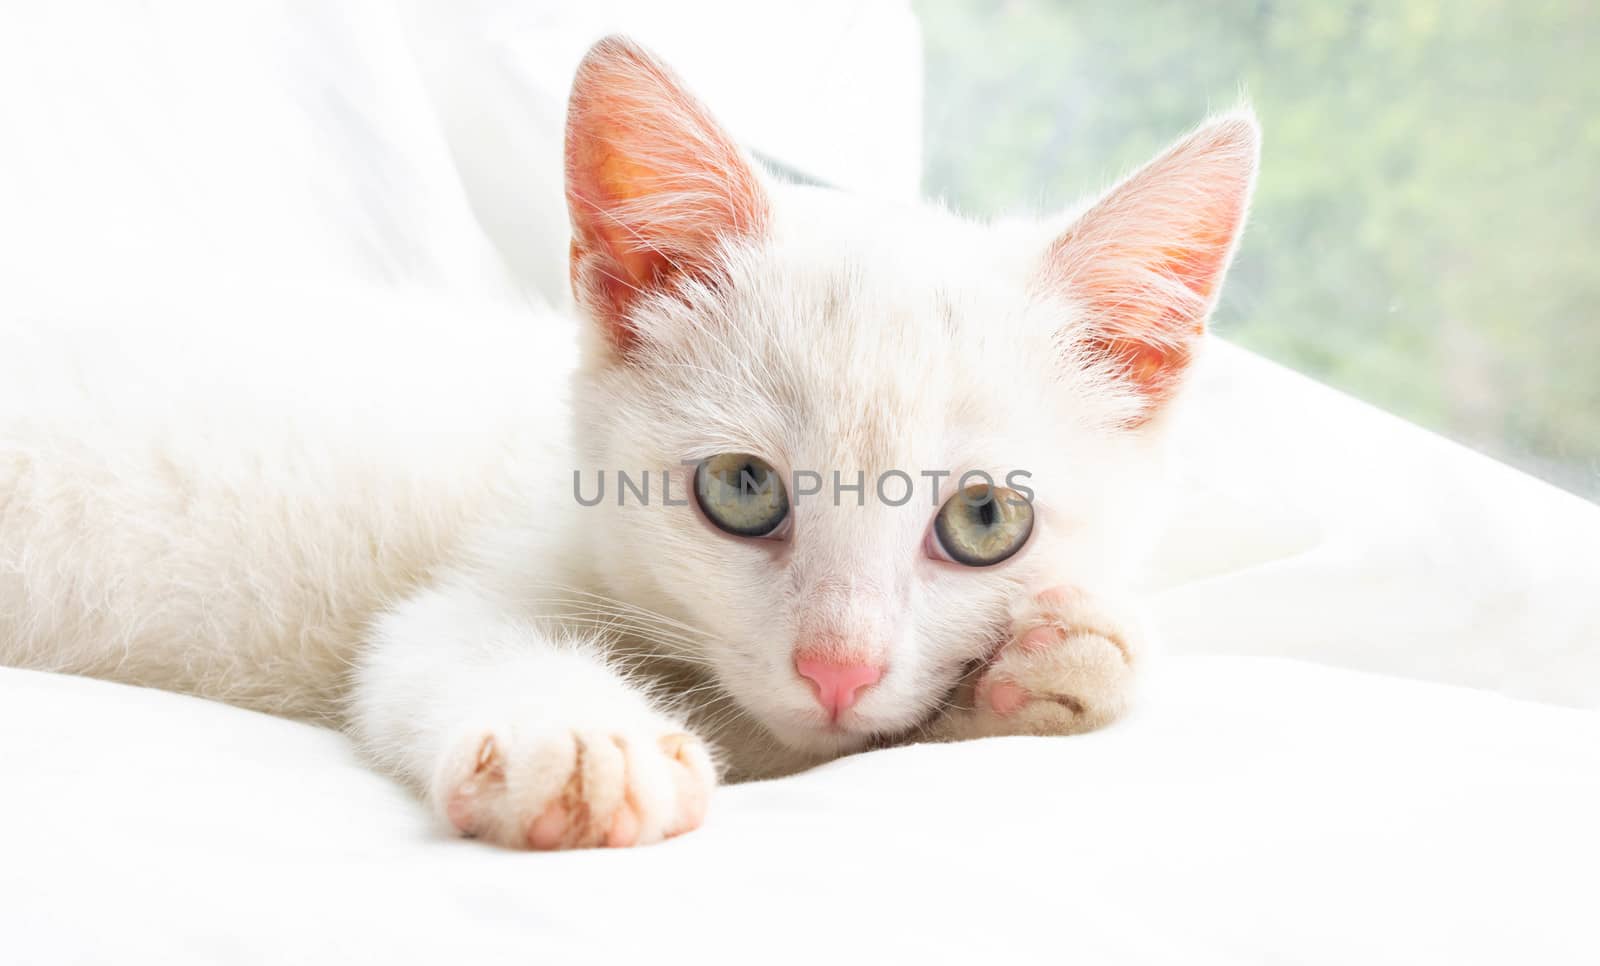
x=654, y=186
x=1146, y=261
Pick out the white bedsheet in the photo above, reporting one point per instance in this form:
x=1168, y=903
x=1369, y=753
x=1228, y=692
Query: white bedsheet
x=1255, y=811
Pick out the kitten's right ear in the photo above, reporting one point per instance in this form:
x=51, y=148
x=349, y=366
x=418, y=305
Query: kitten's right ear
x=654, y=186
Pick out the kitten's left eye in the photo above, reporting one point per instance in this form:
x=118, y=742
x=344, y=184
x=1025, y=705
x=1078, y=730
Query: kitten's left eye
x=983, y=525
x=741, y=494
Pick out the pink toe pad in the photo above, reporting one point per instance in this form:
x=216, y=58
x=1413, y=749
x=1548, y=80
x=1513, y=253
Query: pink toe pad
x=1006, y=697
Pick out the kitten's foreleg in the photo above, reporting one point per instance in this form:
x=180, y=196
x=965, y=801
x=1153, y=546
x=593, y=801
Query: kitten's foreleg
x=519, y=734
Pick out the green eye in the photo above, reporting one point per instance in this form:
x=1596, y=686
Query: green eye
x=741, y=494
x=983, y=525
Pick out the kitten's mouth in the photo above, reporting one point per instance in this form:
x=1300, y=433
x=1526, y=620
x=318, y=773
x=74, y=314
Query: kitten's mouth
x=853, y=733
x=833, y=738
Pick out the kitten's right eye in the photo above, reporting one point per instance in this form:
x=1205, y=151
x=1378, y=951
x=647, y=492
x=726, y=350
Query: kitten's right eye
x=983, y=525
x=741, y=494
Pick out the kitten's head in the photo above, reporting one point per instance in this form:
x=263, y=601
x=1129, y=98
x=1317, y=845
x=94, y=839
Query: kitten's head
x=800, y=340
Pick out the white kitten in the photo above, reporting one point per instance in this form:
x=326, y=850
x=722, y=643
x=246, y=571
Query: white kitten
x=556, y=674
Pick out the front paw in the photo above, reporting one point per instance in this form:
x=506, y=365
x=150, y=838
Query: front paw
x=1066, y=668
x=576, y=789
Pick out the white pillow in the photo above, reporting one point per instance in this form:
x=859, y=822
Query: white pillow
x=1312, y=525
x=247, y=142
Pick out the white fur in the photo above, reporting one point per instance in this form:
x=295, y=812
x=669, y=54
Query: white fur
x=252, y=512
x=221, y=511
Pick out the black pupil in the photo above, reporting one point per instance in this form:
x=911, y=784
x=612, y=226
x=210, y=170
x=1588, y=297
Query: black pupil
x=986, y=513
x=750, y=479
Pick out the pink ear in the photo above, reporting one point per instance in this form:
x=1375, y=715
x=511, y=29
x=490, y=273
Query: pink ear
x=653, y=185
x=1146, y=261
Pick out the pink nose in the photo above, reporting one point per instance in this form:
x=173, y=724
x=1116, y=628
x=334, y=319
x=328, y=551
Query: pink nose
x=837, y=684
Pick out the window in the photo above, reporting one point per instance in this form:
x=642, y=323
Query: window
x=1426, y=231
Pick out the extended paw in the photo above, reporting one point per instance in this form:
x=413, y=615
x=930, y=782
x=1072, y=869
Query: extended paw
x=577, y=789
x=1066, y=668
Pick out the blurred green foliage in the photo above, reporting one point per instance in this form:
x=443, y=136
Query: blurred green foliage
x=1426, y=232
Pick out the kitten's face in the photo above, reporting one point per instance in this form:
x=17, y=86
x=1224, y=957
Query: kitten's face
x=829, y=340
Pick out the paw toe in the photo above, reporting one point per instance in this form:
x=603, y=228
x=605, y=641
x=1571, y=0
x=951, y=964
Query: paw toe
x=1004, y=697
x=549, y=830
x=624, y=831
x=693, y=776
x=1039, y=639
x=468, y=803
